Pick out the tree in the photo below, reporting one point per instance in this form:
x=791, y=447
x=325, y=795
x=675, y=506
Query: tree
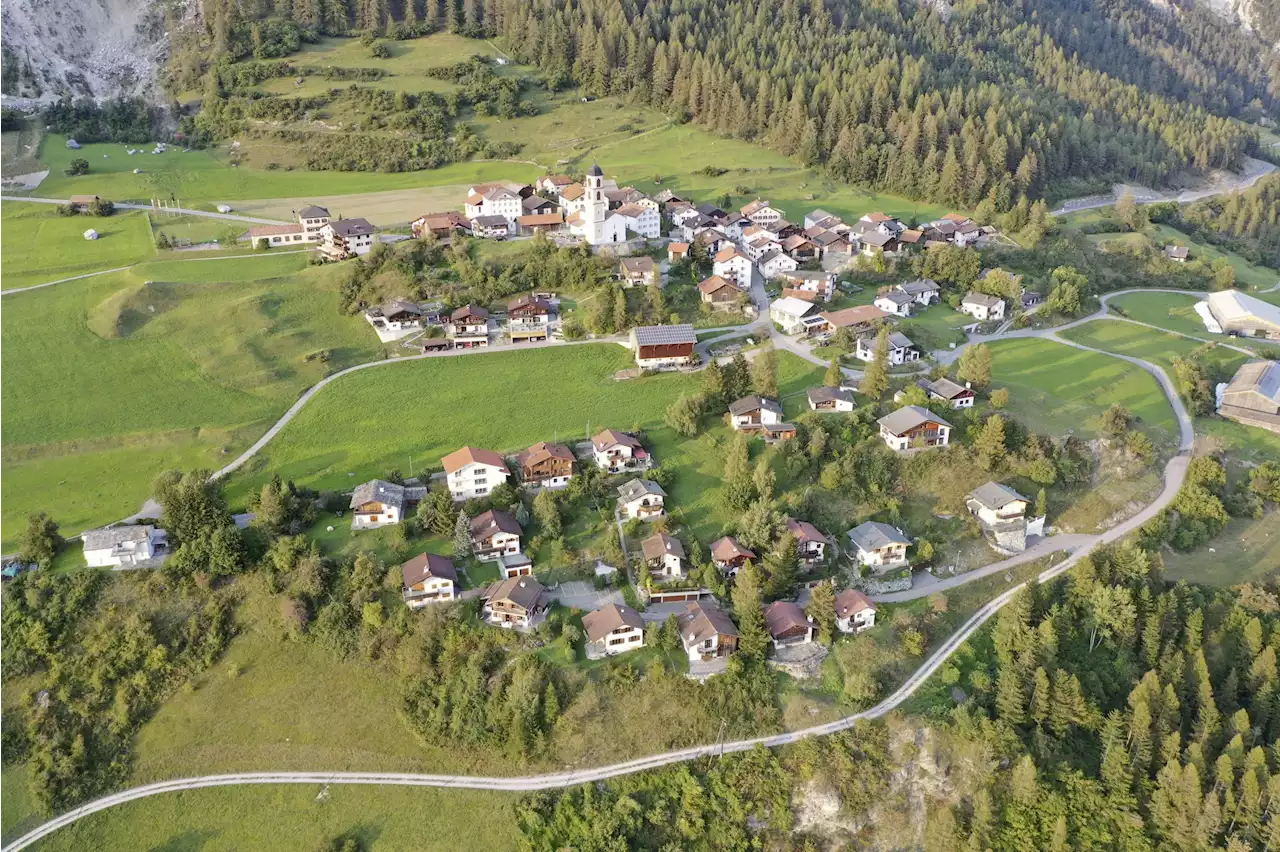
x=975, y=366
x=822, y=609
x=1115, y=421
x=714, y=387
x=1224, y=274
x=462, y=537
x=764, y=372
x=1064, y=299
x=737, y=487
x=546, y=511
x=834, y=377
x=1109, y=612
x=999, y=398
x=621, y=319
x=1264, y=480
x=875, y=378
x=764, y=479
x=443, y=512
x=990, y=442
x=737, y=378
x=192, y=504
x=685, y=414
x=78, y=166
x=1130, y=213
x=40, y=541
x=781, y=567
x=271, y=512
x=748, y=609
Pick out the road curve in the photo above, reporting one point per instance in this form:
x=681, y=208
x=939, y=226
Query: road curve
x=128, y=205
x=1174, y=474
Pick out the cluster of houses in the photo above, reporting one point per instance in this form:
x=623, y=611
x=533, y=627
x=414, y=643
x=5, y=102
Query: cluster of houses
x=529, y=317
x=335, y=239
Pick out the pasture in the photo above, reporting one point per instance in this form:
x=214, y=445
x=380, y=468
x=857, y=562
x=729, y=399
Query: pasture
x=1246, y=550
x=1173, y=311
x=39, y=246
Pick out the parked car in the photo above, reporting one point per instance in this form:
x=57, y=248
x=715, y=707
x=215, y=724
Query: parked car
x=13, y=568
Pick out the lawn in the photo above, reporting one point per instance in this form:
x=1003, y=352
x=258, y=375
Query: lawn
x=1061, y=391
x=938, y=327
x=1173, y=311
x=1248, y=275
x=38, y=245
x=1245, y=551
x=110, y=380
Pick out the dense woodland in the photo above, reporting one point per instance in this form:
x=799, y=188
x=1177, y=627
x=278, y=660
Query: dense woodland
x=1247, y=223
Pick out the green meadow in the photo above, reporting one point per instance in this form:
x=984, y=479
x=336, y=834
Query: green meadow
x=39, y=246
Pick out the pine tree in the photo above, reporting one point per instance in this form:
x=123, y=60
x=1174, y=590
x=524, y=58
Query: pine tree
x=764, y=479
x=1011, y=698
x=990, y=442
x=462, y=537
x=834, y=377
x=822, y=609
x=714, y=387
x=781, y=567
x=748, y=610
x=875, y=378
x=975, y=366
x=764, y=372
x=621, y=319
x=737, y=487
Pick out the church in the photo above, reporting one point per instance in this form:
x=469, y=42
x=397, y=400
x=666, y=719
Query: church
x=590, y=217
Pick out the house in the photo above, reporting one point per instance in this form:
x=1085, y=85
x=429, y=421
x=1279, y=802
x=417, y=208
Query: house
x=982, y=306
x=664, y=554
x=712, y=238
x=677, y=252
x=441, y=225
x=637, y=271
x=710, y=209
x=493, y=227
x=493, y=534
x=854, y=612
x=923, y=291
x=515, y=565
x=518, y=603
x=616, y=452
x=552, y=184
x=81, y=203
x=534, y=204
x=278, y=235
x=473, y=473
x=659, y=346
x=592, y=220
x=378, y=503
x=123, y=546
x=729, y=556
x=994, y=504
x=813, y=281
x=811, y=545
x=751, y=412
x=346, y=238
x=800, y=248
x=540, y=223
x=622, y=196
x=732, y=263
x=830, y=399
x=396, y=317
x=760, y=212
x=876, y=242
x=497, y=199
x=788, y=624
x=967, y=233
x=908, y=240
x=546, y=465
x=789, y=313
x=613, y=629
x=949, y=392
x=1240, y=314
x=879, y=546
x=1253, y=395
x=469, y=326
x=528, y=318
x=641, y=219
x=901, y=349
x=313, y=218
x=802, y=295
x=1178, y=254
x=641, y=498
x=774, y=263
x=913, y=426
x=1030, y=298
x=683, y=213
x=428, y=578
x=706, y=632
x=861, y=318
x=774, y=432
x=895, y=302
x=822, y=219
x=720, y=294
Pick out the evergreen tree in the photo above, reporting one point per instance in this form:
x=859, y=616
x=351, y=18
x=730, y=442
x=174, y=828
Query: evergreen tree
x=748, y=611
x=875, y=378
x=764, y=372
x=462, y=537
x=822, y=609
x=737, y=487
x=975, y=366
x=834, y=377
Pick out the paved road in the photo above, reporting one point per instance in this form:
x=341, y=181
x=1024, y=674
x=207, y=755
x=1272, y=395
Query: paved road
x=125, y=205
x=1254, y=171
x=63, y=280
x=148, y=260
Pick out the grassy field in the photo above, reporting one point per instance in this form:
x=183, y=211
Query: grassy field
x=38, y=245
x=1173, y=311
x=1063, y=391
x=1246, y=550
x=937, y=327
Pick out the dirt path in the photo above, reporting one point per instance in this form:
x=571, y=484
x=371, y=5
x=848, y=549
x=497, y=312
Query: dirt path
x=1254, y=170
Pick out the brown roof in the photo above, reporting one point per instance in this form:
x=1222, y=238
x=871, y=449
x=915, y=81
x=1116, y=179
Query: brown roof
x=427, y=565
x=469, y=311
x=542, y=451
x=804, y=531
x=490, y=523
x=556, y=180
x=458, y=459
x=83, y=199
x=572, y=191
x=475, y=198
x=854, y=316
x=703, y=620
x=632, y=210
x=795, y=241
x=610, y=437
x=877, y=217
x=727, y=549
x=715, y=284
x=678, y=248
x=270, y=230
x=753, y=207
x=958, y=218
x=642, y=264
x=447, y=219
x=528, y=301
x=728, y=254
x=601, y=622
x=803, y=295
x=781, y=616
x=534, y=219
x=659, y=545
x=910, y=236
x=851, y=602
x=524, y=592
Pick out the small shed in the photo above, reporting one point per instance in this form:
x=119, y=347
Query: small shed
x=91, y=234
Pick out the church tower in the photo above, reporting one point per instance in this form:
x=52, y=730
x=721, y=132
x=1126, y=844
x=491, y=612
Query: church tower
x=596, y=208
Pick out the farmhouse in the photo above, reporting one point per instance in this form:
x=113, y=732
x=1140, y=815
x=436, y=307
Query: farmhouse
x=789, y=313
x=1253, y=395
x=719, y=293
x=788, y=624
x=659, y=346
x=895, y=302
x=830, y=399
x=495, y=534
x=733, y=264
x=1178, y=254
x=729, y=556
x=378, y=503
x=912, y=426
x=637, y=271
x=473, y=473
x=949, y=392
x=616, y=452
x=278, y=235
x=123, y=546
x=811, y=545
x=469, y=326
x=751, y=412
x=664, y=554
x=528, y=319
x=901, y=349
x=518, y=603
x=760, y=212
x=492, y=227
x=982, y=306
x=707, y=632
x=614, y=629
x=497, y=199
x=546, y=465
x=540, y=223
x=879, y=546
x=441, y=225
x=854, y=612
x=428, y=578
x=397, y=317
x=641, y=498
x=860, y=318
x=346, y=238
x=1244, y=315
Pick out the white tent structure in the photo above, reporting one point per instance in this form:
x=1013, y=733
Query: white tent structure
x=91, y=234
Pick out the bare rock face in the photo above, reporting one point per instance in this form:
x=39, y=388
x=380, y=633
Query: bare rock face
x=97, y=49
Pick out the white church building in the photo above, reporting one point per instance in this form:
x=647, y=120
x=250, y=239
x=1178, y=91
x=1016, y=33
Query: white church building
x=592, y=220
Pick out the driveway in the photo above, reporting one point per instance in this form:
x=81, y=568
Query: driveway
x=583, y=595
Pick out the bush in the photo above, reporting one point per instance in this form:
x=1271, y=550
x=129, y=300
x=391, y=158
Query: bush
x=79, y=166
x=102, y=207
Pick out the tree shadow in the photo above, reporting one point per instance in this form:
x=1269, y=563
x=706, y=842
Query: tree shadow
x=188, y=841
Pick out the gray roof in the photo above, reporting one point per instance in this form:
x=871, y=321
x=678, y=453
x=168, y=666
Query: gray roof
x=595, y=171
x=908, y=417
x=1175, y=251
x=750, y=403
x=989, y=301
x=826, y=394
x=313, y=212
x=875, y=238
x=920, y=285
x=993, y=495
x=1262, y=377
x=898, y=340
x=656, y=335
x=874, y=535
x=491, y=221
x=395, y=306
x=387, y=493
x=898, y=297
x=351, y=227
x=110, y=537
x=945, y=388
x=638, y=488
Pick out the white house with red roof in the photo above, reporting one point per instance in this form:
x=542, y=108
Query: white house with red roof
x=473, y=473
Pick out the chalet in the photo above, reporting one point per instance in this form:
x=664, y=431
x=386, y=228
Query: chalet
x=378, y=503
x=473, y=473
x=982, y=306
x=493, y=227
x=398, y=317
x=515, y=565
x=833, y=244
x=637, y=271
x=882, y=223
x=719, y=293
x=901, y=349
x=1253, y=395
x=618, y=452
x=909, y=240
x=895, y=302
x=528, y=319
x=346, y=238
x=641, y=498
x=967, y=233
x=278, y=235
x=677, y=252
x=441, y=225
x=469, y=326
x=664, y=554
x=428, y=578
x=813, y=281
x=552, y=184
x=854, y=612
x=788, y=624
x=874, y=242
x=712, y=238
x=912, y=426
x=1241, y=314
x=494, y=534
x=830, y=399
x=751, y=412
x=733, y=225
x=811, y=545
x=497, y=199
x=641, y=219
x=1178, y=254
x=789, y=313
x=518, y=603
x=994, y=504
x=613, y=629
x=800, y=248
x=733, y=264
x=546, y=465
x=729, y=556
x=923, y=291
x=952, y=394
x=760, y=212
x=127, y=546
x=861, y=318
x=540, y=223
x=707, y=632
x=659, y=346
x=879, y=546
